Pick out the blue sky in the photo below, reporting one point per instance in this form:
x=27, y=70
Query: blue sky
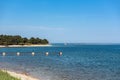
x=74, y=21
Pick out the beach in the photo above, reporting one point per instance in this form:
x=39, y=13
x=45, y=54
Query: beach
x=47, y=45
x=22, y=76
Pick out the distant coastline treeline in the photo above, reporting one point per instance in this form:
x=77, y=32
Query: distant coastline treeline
x=18, y=40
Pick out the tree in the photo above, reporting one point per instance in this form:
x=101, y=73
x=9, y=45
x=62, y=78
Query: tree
x=25, y=40
x=44, y=41
x=18, y=40
x=33, y=40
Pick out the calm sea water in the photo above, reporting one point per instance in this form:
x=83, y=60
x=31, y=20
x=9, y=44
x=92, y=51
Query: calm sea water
x=78, y=62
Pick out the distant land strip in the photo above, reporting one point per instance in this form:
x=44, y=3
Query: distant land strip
x=17, y=40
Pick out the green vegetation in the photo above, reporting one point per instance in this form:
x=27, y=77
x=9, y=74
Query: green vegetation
x=6, y=76
x=18, y=40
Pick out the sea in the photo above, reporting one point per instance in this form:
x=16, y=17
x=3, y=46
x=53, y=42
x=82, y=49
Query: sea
x=77, y=62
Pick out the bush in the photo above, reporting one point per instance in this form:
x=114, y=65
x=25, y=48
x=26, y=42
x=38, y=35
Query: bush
x=6, y=76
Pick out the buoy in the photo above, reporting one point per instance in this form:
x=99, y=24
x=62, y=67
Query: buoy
x=60, y=53
x=3, y=53
x=47, y=53
x=33, y=53
x=18, y=53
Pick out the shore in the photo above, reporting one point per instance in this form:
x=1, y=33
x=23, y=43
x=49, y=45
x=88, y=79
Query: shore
x=47, y=45
x=22, y=76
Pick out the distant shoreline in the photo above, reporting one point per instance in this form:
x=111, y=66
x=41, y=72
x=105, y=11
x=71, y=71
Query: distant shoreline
x=37, y=45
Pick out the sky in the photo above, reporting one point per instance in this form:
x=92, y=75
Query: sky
x=62, y=21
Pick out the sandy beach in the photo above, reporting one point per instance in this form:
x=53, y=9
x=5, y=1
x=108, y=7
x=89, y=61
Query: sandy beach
x=47, y=45
x=22, y=76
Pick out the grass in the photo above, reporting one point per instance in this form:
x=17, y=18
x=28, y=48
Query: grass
x=6, y=76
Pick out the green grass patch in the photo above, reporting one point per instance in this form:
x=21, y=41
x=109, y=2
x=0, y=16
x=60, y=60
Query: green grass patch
x=6, y=76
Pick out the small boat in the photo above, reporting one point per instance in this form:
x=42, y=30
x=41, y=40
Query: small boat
x=65, y=43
